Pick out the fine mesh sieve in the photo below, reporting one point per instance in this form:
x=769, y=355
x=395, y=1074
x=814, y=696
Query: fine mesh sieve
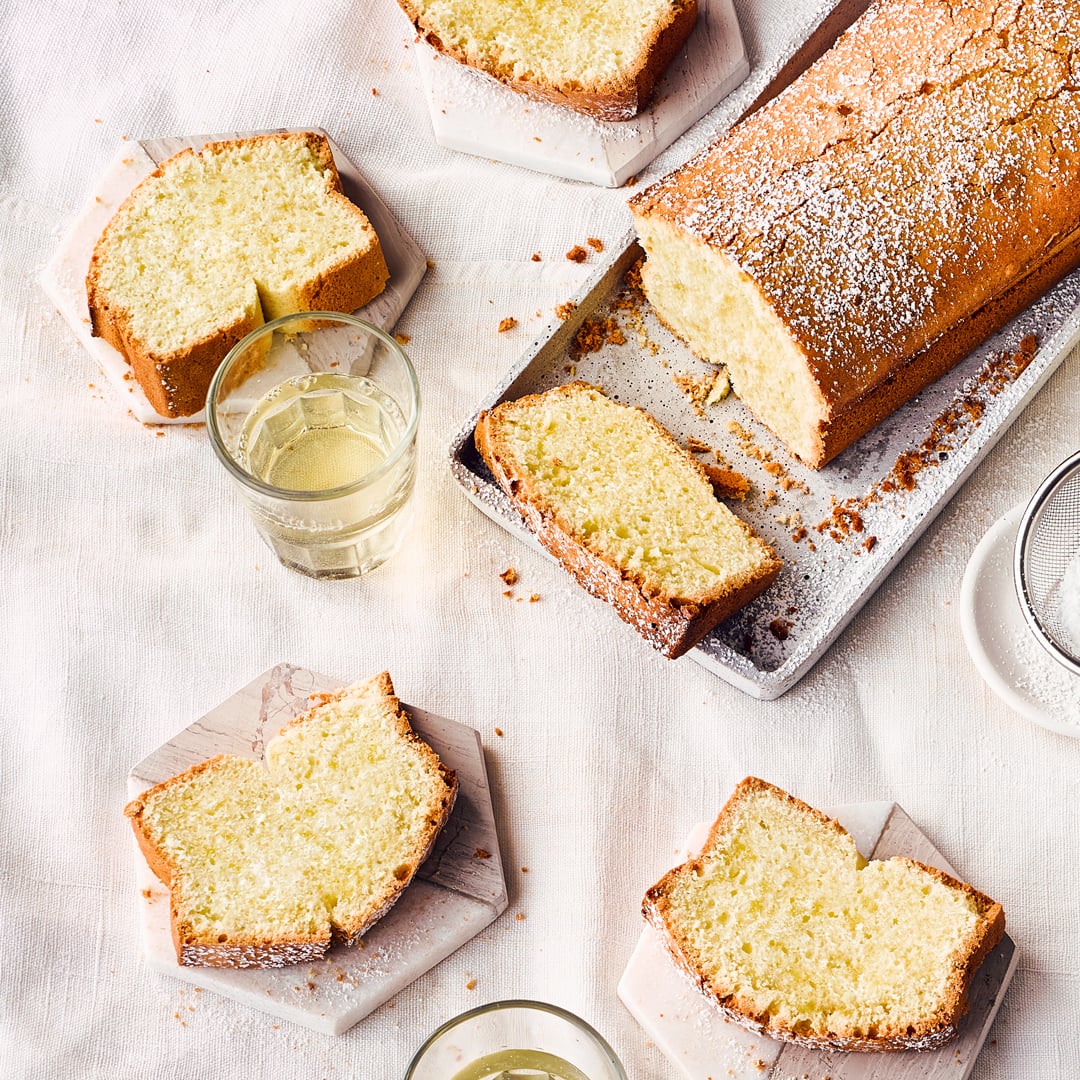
x=1047, y=542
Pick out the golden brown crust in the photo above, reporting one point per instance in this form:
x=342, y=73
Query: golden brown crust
x=621, y=98
x=902, y=200
x=176, y=383
x=671, y=624
x=932, y=1031
x=197, y=948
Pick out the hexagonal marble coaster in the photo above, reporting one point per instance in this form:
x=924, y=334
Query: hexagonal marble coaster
x=703, y=1046
x=454, y=895
x=474, y=113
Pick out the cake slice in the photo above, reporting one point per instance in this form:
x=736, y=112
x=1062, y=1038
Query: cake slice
x=266, y=864
x=598, y=57
x=629, y=513
x=864, y=231
x=791, y=933
x=211, y=245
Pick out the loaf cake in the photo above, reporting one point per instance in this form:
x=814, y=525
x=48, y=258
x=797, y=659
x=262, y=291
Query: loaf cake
x=629, y=513
x=903, y=199
x=598, y=57
x=787, y=930
x=211, y=245
x=265, y=864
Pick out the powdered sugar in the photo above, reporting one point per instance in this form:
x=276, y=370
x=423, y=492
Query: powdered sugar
x=1047, y=682
x=882, y=212
x=1069, y=603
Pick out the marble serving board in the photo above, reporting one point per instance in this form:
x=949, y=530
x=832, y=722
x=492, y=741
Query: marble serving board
x=474, y=113
x=702, y=1045
x=64, y=276
x=454, y=895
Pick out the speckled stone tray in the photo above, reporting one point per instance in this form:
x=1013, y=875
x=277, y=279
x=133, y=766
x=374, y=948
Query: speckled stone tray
x=909, y=466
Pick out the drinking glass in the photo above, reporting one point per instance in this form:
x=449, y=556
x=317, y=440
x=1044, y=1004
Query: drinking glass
x=515, y=1040
x=314, y=416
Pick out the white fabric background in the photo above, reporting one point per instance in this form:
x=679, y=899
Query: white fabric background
x=136, y=596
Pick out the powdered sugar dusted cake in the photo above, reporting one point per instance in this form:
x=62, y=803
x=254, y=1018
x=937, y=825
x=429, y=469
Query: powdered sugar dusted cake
x=902, y=200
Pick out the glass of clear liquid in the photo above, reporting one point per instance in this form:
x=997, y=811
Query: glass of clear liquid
x=515, y=1040
x=314, y=416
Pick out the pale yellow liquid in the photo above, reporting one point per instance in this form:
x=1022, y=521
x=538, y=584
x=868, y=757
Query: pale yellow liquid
x=520, y=1065
x=320, y=431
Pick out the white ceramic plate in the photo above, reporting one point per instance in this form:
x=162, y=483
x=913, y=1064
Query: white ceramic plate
x=1009, y=658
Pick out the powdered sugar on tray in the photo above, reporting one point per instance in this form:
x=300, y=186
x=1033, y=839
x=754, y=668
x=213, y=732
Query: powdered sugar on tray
x=840, y=530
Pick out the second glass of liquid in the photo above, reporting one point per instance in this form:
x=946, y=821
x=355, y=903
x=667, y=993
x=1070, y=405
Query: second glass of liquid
x=315, y=417
x=515, y=1040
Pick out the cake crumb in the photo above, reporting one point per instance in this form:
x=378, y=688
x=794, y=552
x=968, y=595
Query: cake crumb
x=781, y=629
x=481, y=853
x=565, y=310
x=533, y=597
x=471, y=984
x=499, y=732
x=402, y=339
x=577, y=254
x=537, y=257
x=595, y=243
x=596, y=332
x=524, y=869
x=507, y=324
x=947, y=432
x=703, y=389
x=727, y=483
x=509, y=576
x=520, y=916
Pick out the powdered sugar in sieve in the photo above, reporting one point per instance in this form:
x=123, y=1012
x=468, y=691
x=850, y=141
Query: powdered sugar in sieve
x=1047, y=564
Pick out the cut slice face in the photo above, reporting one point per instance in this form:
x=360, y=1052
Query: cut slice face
x=266, y=864
x=629, y=512
x=213, y=244
x=600, y=57
x=792, y=933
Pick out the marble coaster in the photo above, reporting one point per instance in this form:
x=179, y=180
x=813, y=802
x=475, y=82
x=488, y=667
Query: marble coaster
x=476, y=114
x=704, y=1046
x=454, y=895
x=64, y=275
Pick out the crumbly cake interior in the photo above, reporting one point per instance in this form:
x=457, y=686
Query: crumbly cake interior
x=609, y=473
x=708, y=301
x=786, y=915
x=222, y=234
x=285, y=851
x=575, y=44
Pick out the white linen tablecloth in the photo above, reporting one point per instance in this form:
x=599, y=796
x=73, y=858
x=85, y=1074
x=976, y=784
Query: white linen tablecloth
x=136, y=596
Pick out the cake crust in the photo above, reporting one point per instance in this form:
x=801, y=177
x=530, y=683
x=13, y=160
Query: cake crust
x=195, y=947
x=671, y=624
x=176, y=381
x=923, y=1034
x=620, y=97
x=907, y=196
